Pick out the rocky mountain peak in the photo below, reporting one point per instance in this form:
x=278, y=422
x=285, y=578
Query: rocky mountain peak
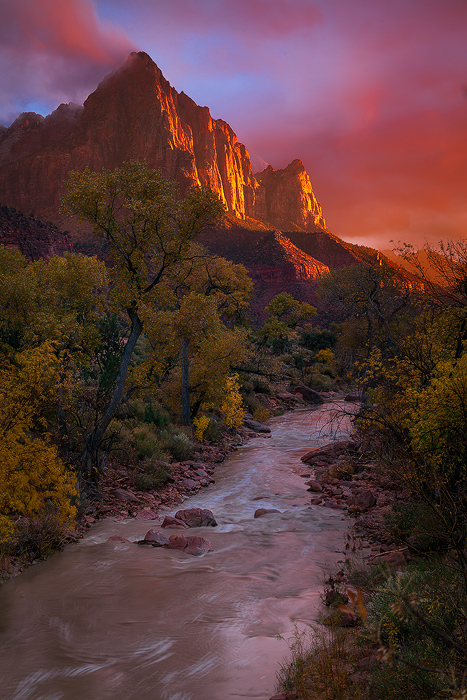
x=286, y=199
x=136, y=114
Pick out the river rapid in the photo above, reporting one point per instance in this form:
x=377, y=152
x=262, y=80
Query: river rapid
x=114, y=620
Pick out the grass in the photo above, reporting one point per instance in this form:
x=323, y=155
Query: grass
x=323, y=664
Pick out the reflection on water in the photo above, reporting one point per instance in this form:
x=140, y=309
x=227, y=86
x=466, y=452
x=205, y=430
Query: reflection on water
x=114, y=620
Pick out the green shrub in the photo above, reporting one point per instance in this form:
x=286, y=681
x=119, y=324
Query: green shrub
x=145, y=441
x=317, y=340
x=157, y=416
x=178, y=444
x=251, y=402
x=261, y=385
x=418, y=662
x=318, y=381
x=419, y=521
x=155, y=475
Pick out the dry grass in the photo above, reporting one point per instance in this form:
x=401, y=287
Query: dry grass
x=323, y=664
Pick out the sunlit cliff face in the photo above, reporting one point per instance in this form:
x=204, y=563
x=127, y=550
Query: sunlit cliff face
x=135, y=114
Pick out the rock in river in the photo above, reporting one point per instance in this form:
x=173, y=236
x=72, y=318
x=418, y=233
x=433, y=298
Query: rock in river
x=191, y=545
x=196, y=517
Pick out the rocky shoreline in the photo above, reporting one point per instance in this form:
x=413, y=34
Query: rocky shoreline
x=341, y=476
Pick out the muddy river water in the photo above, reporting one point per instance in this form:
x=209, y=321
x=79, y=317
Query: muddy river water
x=114, y=620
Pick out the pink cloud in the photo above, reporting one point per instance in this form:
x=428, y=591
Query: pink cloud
x=53, y=51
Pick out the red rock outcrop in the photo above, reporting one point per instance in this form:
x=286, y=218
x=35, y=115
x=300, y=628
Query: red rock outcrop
x=286, y=200
x=277, y=259
x=35, y=239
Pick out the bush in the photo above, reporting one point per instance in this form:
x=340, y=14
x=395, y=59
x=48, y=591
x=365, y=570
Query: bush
x=38, y=538
x=155, y=476
x=420, y=522
x=317, y=340
x=319, y=666
x=318, y=381
x=261, y=414
x=261, y=385
x=145, y=441
x=179, y=445
x=157, y=416
x=418, y=663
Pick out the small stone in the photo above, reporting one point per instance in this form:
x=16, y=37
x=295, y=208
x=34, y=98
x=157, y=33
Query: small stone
x=117, y=538
x=187, y=483
x=314, y=486
x=123, y=495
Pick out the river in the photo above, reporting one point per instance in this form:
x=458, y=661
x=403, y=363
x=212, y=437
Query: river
x=114, y=620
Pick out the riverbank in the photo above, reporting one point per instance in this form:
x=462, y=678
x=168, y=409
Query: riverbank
x=344, y=476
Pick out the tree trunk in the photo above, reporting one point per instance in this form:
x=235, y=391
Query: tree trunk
x=186, y=419
x=90, y=467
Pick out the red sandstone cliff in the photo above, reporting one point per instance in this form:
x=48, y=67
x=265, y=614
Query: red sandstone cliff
x=286, y=200
x=135, y=114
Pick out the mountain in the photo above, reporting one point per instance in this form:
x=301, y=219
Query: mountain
x=274, y=224
x=135, y=114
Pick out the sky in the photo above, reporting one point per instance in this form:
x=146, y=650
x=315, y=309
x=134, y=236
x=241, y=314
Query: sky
x=370, y=94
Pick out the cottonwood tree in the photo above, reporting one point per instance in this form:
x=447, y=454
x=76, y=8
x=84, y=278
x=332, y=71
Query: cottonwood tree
x=149, y=230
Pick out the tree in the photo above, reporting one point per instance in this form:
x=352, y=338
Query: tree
x=149, y=230
x=284, y=314
x=34, y=480
x=209, y=295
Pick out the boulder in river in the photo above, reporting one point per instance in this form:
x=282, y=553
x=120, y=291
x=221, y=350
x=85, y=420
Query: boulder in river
x=191, y=545
x=196, y=517
x=254, y=425
x=156, y=539
x=171, y=522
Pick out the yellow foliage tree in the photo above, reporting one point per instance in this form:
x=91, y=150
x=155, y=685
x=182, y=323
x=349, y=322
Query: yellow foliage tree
x=34, y=480
x=232, y=405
